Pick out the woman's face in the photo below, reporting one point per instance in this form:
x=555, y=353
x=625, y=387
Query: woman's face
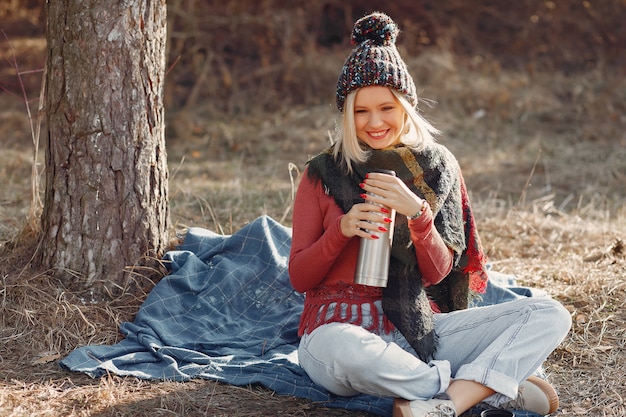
x=378, y=117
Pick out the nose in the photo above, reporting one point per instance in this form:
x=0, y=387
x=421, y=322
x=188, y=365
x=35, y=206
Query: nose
x=375, y=120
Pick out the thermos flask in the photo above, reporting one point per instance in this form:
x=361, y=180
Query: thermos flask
x=372, y=265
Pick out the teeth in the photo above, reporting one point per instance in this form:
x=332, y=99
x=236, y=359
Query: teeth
x=377, y=134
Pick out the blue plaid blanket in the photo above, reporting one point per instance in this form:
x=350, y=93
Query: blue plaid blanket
x=226, y=312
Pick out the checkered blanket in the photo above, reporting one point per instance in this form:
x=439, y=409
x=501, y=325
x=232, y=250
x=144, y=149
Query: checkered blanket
x=225, y=312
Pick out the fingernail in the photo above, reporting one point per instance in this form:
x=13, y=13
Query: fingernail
x=374, y=237
x=387, y=220
x=384, y=210
x=362, y=185
x=382, y=229
x=367, y=175
x=364, y=196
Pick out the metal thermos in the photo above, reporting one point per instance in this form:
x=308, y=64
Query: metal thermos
x=372, y=265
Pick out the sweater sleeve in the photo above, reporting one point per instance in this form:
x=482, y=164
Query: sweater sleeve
x=434, y=258
x=317, y=239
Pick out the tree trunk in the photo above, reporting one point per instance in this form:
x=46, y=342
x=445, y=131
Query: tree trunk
x=106, y=201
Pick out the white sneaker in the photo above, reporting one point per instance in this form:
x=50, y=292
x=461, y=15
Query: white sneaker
x=536, y=395
x=424, y=408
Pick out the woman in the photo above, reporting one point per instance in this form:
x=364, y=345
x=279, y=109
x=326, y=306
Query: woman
x=416, y=339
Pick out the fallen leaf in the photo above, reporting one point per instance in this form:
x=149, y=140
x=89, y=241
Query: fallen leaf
x=46, y=359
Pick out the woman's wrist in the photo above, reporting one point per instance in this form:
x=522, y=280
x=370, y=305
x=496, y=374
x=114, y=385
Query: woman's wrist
x=419, y=212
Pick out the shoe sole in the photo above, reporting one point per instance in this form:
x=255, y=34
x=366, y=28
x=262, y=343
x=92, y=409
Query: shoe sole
x=548, y=390
x=401, y=408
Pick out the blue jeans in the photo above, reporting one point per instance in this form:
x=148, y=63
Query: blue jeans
x=498, y=346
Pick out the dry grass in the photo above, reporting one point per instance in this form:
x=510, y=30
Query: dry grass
x=544, y=155
x=582, y=264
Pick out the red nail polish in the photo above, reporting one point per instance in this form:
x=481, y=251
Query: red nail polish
x=374, y=237
x=387, y=220
x=384, y=210
x=361, y=185
x=364, y=196
x=367, y=175
x=382, y=229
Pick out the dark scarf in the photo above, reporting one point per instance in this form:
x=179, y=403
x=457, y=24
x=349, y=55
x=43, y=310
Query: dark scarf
x=432, y=174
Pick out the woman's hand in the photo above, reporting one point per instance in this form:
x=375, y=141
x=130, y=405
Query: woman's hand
x=363, y=219
x=391, y=192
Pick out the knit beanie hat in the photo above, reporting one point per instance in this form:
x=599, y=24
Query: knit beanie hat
x=375, y=60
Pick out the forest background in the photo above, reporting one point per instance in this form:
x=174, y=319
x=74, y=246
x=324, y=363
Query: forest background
x=530, y=95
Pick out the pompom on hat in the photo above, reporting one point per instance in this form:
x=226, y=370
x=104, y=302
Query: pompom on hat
x=375, y=60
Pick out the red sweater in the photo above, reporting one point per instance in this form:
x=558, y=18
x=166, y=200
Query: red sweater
x=322, y=256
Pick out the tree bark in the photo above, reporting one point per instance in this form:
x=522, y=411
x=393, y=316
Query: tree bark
x=106, y=200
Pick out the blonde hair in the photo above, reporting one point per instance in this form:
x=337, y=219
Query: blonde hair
x=419, y=132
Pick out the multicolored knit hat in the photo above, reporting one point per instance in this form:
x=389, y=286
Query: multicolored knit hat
x=375, y=60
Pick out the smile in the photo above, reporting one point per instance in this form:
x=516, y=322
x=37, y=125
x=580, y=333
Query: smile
x=378, y=134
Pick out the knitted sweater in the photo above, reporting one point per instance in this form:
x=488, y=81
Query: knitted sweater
x=322, y=258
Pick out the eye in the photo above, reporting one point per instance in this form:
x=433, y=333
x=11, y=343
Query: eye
x=360, y=111
x=388, y=108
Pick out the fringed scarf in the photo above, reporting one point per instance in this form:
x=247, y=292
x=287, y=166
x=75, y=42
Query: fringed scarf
x=434, y=175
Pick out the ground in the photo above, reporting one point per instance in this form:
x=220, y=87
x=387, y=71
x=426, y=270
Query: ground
x=541, y=144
